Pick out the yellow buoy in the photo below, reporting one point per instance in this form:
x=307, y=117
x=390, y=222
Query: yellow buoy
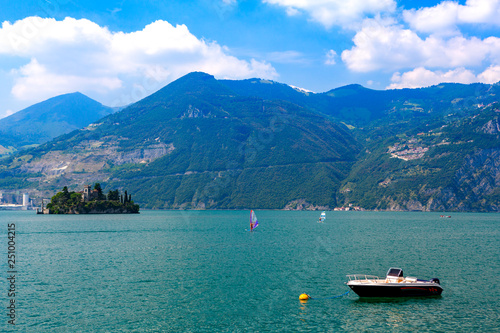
x=304, y=297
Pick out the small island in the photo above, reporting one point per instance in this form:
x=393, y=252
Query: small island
x=90, y=201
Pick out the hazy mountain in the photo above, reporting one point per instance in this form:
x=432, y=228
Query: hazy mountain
x=46, y=120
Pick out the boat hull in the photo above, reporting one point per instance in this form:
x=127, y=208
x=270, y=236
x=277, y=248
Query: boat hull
x=396, y=290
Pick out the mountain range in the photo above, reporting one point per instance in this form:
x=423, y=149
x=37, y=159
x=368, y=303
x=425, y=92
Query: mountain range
x=203, y=143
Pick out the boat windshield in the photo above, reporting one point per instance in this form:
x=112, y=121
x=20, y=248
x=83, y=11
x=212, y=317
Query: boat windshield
x=397, y=272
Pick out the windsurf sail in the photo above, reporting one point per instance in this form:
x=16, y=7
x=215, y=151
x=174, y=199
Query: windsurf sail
x=253, y=220
x=322, y=217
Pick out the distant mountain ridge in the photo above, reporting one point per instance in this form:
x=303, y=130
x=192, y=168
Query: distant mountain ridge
x=203, y=143
x=360, y=106
x=46, y=120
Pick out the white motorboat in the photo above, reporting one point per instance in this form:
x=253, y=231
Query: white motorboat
x=394, y=285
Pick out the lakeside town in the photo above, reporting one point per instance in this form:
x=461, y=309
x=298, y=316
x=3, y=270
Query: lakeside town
x=16, y=202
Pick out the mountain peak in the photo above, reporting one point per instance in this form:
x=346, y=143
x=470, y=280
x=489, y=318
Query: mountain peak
x=194, y=83
x=348, y=90
x=197, y=76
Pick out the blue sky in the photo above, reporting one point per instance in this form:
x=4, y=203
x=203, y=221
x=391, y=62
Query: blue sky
x=118, y=52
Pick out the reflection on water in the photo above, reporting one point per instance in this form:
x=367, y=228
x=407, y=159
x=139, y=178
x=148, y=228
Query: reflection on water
x=395, y=300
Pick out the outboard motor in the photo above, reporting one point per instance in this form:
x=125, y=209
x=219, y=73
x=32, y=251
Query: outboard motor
x=435, y=280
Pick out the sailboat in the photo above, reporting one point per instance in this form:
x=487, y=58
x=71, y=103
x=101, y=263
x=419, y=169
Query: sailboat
x=322, y=217
x=253, y=220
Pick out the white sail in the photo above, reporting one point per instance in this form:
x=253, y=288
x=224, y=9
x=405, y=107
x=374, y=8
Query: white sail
x=322, y=217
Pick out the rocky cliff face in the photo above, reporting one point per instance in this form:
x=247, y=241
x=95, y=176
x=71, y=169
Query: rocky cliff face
x=93, y=156
x=492, y=126
x=475, y=182
x=479, y=177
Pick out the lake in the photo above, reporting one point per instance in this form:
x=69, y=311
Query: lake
x=201, y=271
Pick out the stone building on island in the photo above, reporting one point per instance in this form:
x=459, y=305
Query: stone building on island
x=88, y=194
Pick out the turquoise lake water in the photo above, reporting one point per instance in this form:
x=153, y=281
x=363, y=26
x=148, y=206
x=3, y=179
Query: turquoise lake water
x=200, y=271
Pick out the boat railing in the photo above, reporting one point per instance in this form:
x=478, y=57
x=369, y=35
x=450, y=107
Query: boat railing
x=363, y=278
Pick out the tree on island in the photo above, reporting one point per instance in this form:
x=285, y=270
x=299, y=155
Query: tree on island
x=114, y=195
x=100, y=196
x=66, y=202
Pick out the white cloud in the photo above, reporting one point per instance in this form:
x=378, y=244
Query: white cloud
x=287, y=57
x=290, y=11
x=422, y=77
x=441, y=18
x=446, y=16
x=330, y=57
x=382, y=46
x=480, y=11
x=35, y=81
x=69, y=55
x=490, y=75
x=347, y=14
